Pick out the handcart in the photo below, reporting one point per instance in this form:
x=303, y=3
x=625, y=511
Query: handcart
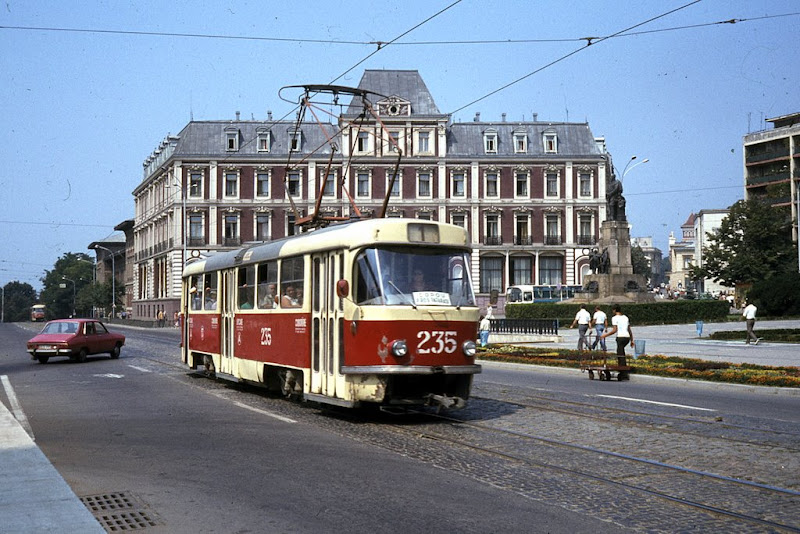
x=592, y=361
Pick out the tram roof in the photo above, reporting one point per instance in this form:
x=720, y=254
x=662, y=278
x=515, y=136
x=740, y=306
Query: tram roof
x=343, y=235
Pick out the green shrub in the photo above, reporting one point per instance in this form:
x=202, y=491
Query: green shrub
x=664, y=312
x=778, y=295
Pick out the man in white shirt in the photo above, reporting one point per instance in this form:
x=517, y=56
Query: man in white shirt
x=620, y=325
x=749, y=313
x=599, y=321
x=583, y=319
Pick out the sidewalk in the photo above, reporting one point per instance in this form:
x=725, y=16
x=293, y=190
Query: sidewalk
x=33, y=496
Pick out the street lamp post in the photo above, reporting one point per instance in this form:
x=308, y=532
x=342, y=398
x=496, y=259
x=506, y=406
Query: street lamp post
x=626, y=170
x=73, y=293
x=113, y=281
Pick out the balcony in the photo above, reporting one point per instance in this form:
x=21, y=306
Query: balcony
x=231, y=241
x=767, y=156
x=587, y=239
x=552, y=240
x=196, y=242
x=492, y=240
x=769, y=178
x=523, y=240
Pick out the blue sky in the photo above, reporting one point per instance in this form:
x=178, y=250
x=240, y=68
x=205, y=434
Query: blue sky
x=80, y=111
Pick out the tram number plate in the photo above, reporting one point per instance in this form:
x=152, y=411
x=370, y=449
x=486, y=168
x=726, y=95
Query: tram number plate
x=266, y=335
x=437, y=341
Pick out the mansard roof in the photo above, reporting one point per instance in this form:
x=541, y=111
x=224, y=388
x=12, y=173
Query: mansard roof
x=208, y=138
x=574, y=139
x=405, y=84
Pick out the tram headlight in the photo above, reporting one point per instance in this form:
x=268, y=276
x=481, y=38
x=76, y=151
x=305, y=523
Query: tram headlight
x=399, y=348
x=469, y=349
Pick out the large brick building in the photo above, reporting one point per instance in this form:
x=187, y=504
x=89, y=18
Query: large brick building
x=531, y=194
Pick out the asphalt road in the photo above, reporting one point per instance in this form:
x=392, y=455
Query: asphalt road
x=199, y=456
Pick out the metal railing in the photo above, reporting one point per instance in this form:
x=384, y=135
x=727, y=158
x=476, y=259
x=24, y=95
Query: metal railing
x=542, y=327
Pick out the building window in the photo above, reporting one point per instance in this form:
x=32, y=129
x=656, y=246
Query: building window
x=294, y=188
x=492, y=184
x=523, y=230
x=291, y=229
x=424, y=185
x=459, y=219
x=295, y=141
x=231, y=234
x=521, y=270
x=550, y=143
x=521, y=185
x=330, y=185
x=362, y=184
x=395, y=191
x=196, y=233
x=262, y=184
x=232, y=141
x=520, y=143
x=585, y=184
x=262, y=227
x=394, y=143
x=263, y=142
x=552, y=230
x=362, y=142
x=231, y=184
x=490, y=142
x=585, y=235
x=459, y=184
x=424, y=142
x=493, y=236
x=550, y=269
x=551, y=184
x=196, y=184
x=491, y=274
x=425, y=215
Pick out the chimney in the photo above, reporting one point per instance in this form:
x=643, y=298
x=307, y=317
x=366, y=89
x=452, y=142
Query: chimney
x=504, y=117
x=477, y=116
x=269, y=115
x=237, y=115
x=535, y=117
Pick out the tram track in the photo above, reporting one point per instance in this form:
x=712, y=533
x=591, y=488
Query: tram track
x=708, y=493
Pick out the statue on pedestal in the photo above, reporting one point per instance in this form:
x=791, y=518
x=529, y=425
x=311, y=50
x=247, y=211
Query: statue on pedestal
x=615, y=200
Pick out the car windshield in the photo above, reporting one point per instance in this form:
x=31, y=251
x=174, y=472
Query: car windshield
x=413, y=276
x=60, y=328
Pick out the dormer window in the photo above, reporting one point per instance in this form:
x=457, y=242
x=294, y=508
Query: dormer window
x=550, y=143
x=295, y=141
x=232, y=141
x=490, y=142
x=520, y=142
x=362, y=142
x=262, y=142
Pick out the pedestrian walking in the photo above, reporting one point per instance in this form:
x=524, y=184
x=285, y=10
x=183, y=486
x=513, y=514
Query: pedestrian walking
x=749, y=314
x=483, y=329
x=600, y=322
x=582, y=318
x=160, y=317
x=620, y=325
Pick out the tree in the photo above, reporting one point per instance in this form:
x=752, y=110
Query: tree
x=59, y=293
x=754, y=242
x=18, y=299
x=640, y=263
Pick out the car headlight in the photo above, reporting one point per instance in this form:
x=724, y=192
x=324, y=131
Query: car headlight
x=469, y=348
x=399, y=348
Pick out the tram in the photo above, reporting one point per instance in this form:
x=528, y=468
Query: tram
x=38, y=312
x=369, y=312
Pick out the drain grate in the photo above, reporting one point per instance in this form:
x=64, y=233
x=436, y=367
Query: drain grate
x=119, y=512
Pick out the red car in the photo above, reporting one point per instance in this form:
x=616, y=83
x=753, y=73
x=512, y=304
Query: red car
x=76, y=339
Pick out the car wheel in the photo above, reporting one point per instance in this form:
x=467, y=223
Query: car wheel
x=82, y=356
x=115, y=352
x=43, y=359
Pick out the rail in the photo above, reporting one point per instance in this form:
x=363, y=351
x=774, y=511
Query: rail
x=542, y=327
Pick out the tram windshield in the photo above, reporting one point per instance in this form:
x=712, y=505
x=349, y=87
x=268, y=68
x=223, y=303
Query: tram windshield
x=413, y=276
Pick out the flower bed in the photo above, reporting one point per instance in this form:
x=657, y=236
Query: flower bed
x=669, y=366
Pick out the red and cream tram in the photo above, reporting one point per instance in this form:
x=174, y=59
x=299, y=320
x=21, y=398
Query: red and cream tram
x=377, y=311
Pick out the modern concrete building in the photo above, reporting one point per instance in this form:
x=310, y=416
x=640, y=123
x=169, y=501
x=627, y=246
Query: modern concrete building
x=530, y=193
x=772, y=165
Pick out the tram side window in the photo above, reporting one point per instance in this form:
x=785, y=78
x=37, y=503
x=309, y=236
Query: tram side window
x=210, y=292
x=245, y=282
x=196, y=292
x=268, y=285
x=292, y=278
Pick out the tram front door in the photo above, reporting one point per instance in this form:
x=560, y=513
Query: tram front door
x=326, y=325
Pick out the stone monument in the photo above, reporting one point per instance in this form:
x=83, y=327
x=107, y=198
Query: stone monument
x=612, y=278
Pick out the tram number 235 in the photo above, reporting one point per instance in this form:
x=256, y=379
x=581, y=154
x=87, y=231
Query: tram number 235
x=436, y=341
x=266, y=335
